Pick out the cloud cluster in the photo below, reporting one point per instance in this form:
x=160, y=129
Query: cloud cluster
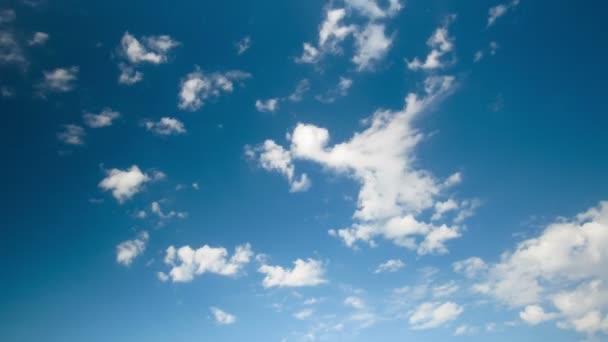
x=371, y=41
x=393, y=191
x=197, y=87
x=440, y=43
x=146, y=50
x=186, y=262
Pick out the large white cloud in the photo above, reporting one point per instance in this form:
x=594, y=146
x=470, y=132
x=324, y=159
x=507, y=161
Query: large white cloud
x=197, y=87
x=124, y=184
x=186, y=262
x=304, y=273
x=128, y=250
x=393, y=191
x=564, y=267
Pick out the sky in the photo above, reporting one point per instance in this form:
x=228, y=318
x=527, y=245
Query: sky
x=321, y=170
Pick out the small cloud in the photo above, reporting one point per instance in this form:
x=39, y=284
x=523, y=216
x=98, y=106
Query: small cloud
x=103, y=119
x=222, y=317
x=59, y=80
x=304, y=273
x=72, y=135
x=243, y=45
x=39, y=38
x=128, y=250
x=270, y=105
x=392, y=265
x=165, y=126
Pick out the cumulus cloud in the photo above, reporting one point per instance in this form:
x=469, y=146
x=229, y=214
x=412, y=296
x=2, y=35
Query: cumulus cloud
x=222, y=317
x=39, y=38
x=103, y=119
x=270, y=105
x=304, y=273
x=243, y=45
x=498, y=11
x=197, y=87
x=273, y=157
x=165, y=126
x=124, y=184
x=392, y=265
x=72, y=135
x=371, y=45
x=564, y=267
x=440, y=43
x=186, y=262
x=150, y=49
x=59, y=80
x=434, y=314
x=304, y=314
x=128, y=250
x=393, y=192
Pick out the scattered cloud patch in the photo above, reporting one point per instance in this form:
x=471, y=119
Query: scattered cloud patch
x=60, y=80
x=39, y=38
x=128, y=250
x=222, y=317
x=434, y=315
x=165, y=126
x=103, y=119
x=266, y=106
x=197, y=87
x=498, y=11
x=72, y=135
x=243, y=45
x=440, y=43
x=392, y=265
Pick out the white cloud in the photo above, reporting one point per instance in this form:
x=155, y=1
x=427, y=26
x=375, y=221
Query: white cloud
x=165, y=126
x=393, y=192
x=565, y=267
x=128, y=75
x=39, y=38
x=128, y=250
x=534, y=315
x=310, y=54
x=464, y=330
x=197, y=87
x=434, y=314
x=470, y=267
x=270, y=105
x=370, y=8
x=301, y=88
x=392, y=265
x=10, y=50
x=444, y=207
x=72, y=135
x=341, y=89
x=187, y=262
x=304, y=314
x=354, y=302
x=498, y=11
x=222, y=317
x=124, y=184
x=162, y=276
x=440, y=43
x=371, y=45
x=304, y=273
x=273, y=157
x=151, y=49
x=331, y=31
x=59, y=80
x=344, y=85
x=243, y=45
x=103, y=119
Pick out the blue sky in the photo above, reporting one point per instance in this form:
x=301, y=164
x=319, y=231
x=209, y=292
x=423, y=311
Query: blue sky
x=347, y=170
